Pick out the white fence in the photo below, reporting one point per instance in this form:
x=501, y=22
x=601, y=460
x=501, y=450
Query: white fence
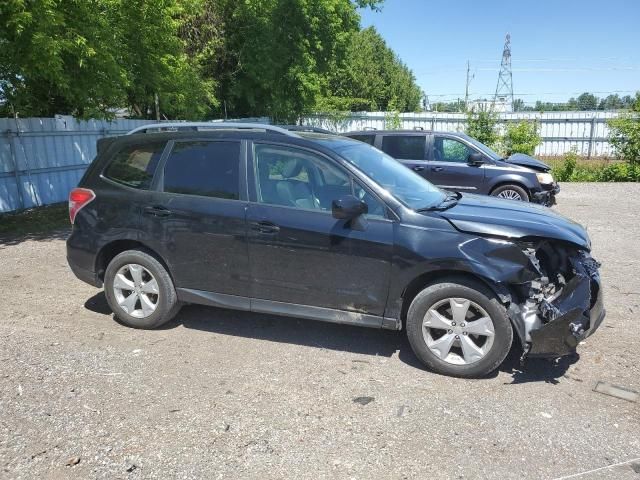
x=586, y=132
x=42, y=159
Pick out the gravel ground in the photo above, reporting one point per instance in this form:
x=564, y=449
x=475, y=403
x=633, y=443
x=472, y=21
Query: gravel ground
x=222, y=394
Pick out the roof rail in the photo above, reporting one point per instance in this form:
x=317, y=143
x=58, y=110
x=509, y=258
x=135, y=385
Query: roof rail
x=171, y=126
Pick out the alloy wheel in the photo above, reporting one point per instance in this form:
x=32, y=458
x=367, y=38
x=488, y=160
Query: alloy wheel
x=458, y=331
x=136, y=290
x=509, y=195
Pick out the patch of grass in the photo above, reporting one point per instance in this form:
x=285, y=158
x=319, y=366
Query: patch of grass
x=34, y=221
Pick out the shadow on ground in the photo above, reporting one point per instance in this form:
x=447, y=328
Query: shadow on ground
x=9, y=240
x=364, y=341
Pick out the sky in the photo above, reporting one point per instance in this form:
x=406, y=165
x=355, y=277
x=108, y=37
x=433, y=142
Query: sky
x=558, y=48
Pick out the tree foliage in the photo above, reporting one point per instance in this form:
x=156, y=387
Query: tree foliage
x=88, y=57
x=482, y=124
x=521, y=137
x=199, y=58
x=373, y=78
x=625, y=134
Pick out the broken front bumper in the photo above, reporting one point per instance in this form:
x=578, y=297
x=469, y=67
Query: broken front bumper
x=561, y=336
x=554, y=326
x=547, y=197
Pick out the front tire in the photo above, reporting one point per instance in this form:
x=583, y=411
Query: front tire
x=139, y=290
x=511, y=192
x=459, y=328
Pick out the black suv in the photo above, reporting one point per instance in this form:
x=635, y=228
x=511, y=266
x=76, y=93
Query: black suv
x=457, y=162
x=323, y=227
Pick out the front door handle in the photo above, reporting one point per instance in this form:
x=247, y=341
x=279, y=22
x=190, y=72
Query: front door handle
x=418, y=168
x=156, y=211
x=437, y=169
x=265, y=227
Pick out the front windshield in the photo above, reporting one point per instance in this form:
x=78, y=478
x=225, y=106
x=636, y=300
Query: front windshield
x=483, y=148
x=404, y=184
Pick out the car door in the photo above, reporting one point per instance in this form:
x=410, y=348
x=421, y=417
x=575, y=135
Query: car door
x=196, y=217
x=449, y=165
x=409, y=149
x=299, y=253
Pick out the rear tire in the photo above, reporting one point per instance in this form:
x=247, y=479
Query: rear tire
x=453, y=340
x=511, y=192
x=139, y=290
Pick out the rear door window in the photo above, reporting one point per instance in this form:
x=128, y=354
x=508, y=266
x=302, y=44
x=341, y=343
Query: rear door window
x=370, y=139
x=134, y=166
x=404, y=147
x=203, y=168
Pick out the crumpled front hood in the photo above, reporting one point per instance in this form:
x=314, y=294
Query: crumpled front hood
x=513, y=219
x=528, y=161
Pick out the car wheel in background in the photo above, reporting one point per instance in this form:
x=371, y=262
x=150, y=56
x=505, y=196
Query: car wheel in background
x=511, y=192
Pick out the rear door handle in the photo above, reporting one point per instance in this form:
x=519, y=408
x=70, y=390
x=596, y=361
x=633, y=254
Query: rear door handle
x=437, y=169
x=156, y=211
x=418, y=168
x=265, y=227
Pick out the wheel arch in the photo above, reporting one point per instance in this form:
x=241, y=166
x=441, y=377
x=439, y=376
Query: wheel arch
x=419, y=283
x=116, y=247
x=513, y=180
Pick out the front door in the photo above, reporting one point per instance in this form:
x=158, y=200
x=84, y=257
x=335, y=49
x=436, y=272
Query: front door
x=299, y=253
x=196, y=221
x=448, y=167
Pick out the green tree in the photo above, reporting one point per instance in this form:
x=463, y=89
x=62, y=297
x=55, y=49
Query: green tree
x=88, y=57
x=482, y=124
x=521, y=137
x=625, y=134
x=372, y=76
x=281, y=53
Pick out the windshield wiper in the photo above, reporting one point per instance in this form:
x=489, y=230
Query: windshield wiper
x=450, y=200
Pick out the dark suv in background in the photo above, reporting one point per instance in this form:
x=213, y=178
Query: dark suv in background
x=324, y=227
x=455, y=161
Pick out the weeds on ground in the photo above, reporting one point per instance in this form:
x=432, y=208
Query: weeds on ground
x=34, y=221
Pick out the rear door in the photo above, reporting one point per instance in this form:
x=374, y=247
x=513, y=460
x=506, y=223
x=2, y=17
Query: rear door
x=449, y=168
x=196, y=219
x=409, y=149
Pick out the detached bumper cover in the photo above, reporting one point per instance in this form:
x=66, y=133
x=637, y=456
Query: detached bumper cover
x=573, y=316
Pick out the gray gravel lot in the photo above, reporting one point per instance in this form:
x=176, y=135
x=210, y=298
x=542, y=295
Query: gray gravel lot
x=222, y=394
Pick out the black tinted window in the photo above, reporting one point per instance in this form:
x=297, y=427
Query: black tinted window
x=135, y=165
x=370, y=139
x=404, y=147
x=210, y=169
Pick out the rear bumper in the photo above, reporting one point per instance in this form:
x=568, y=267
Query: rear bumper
x=87, y=276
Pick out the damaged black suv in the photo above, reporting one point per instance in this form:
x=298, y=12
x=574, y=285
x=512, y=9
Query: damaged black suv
x=321, y=227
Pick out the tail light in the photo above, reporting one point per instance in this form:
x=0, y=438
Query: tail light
x=78, y=198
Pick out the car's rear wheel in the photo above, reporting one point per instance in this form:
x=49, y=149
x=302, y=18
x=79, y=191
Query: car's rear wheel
x=139, y=290
x=511, y=192
x=458, y=327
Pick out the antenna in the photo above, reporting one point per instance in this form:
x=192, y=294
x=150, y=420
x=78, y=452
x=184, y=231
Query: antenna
x=504, y=89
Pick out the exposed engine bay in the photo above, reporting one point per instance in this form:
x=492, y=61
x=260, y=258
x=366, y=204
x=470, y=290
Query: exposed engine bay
x=563, y=305
x=551, y=289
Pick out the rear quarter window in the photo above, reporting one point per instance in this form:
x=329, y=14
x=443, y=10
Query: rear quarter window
x=135, y=165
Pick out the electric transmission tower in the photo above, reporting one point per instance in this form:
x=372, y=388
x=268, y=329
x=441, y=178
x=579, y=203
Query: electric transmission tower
x=504, y=89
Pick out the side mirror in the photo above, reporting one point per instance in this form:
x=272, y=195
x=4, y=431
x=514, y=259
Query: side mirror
x=475, y=159
x=348, y=207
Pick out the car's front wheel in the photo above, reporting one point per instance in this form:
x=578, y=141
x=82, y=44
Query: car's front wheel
x=458, y=327
x=139, y=290
x=511, y=192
